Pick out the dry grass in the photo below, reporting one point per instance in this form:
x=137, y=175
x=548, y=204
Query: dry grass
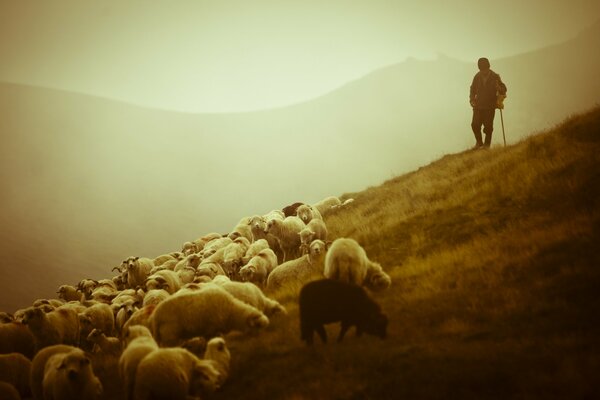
x=495, y=271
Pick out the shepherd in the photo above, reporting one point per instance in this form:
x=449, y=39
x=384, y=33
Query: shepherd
x=487, y=93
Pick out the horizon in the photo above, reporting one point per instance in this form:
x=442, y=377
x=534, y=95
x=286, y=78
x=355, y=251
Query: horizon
x=230, y=57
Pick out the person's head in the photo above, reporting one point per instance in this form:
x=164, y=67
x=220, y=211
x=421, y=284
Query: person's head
x=483, y=64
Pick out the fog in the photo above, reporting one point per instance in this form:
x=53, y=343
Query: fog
x=88, y=181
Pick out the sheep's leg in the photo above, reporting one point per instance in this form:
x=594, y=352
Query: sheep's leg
x=321, y=331
x=343, y=330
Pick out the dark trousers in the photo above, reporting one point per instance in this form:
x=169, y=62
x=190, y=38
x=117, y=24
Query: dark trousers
x=485, y=117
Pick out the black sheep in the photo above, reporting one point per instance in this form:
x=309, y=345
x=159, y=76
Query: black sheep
x=290, y=210
x=327, y=300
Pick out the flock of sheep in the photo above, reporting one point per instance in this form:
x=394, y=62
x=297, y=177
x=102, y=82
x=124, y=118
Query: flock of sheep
x=164, y=318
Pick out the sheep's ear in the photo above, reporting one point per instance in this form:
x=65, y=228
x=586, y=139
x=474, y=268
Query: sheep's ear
x=62, y=364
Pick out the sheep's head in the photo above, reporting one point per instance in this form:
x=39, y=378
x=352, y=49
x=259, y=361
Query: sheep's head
x=257, y=320
x=216, y=349
x=94, y=335
x=188, y=248
x=205, y=378
x=32, y=314
x=317, y=250
x=208, y=269
x=247, y=272
x=6, y=317
x=75, y=364
x=304, y=212
x=273, y=223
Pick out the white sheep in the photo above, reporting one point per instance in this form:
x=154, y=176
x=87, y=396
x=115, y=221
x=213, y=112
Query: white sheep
x=124, y=312
x=104, y=344
x=307, y=213
x=207, y=312
x=139, y=344
x=15, y=369
x=376, y=279
x=218, y=354
x=259, y=267
x=16, y=338
x=138, y=270
x=38, y=365
x=70, y=376
x=97, y=316
x=233, y=255
x=165, y=279
x=69, y=293
x=255, y=247
x=189, y=248
x=287, y=234
x=186, y=275
x=140, y=317
x=300, y=270
x=155, y=296
x=174, y=373
x=86, y=286
x=192, y=261
x=55, y=327
x=251, y=294
x=242, y=229
x=210, y=269
x=160, y=260
x=325, y=205
x=5, y=317
x=346, y=261
x=258, y=226
x=315, y=229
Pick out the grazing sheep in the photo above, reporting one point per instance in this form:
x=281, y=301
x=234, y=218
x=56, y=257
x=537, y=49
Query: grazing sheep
x=207, y=312
x=140, y=344
x=174, y=373
x=251, y=294
x=58, y=326
x=210, y=269
x=138, y=270
x=315, y=229
x=15, y=369
x=287, y=234
x=16, y=338
x=346, y=261
x=307, y=213
x=165, y=279
x=103, y=343
x=97, y=316
x=218, y=354
x=326, y=301
x=325, y=205
x=259, y=267
x=8, y=392
x=255, y=247
x=376, y=280
x=155, y=296
x=290, y=210
x=70, y=376
x=300, y=270
x=68, y=293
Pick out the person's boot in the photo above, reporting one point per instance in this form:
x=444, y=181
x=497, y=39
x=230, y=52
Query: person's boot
x=478, y=143
x=488, y=140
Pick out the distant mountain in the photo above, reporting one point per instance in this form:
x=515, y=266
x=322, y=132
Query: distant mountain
x=88, y=181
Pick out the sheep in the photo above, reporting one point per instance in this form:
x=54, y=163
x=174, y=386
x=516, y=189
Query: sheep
x=126, y=296
x=215, y=245
x=207, y=312
x=58, y=326
x=104, y=291
x=218, y=354
x=86, y=286
x=287, y=234
x=307, y=213
x=174, y=373
x=15, y=369
x=259, y=267
x=53, y=303
x=193, y=260
x=5, y=317
x=70, y=376
x=97, y=316
x=8, y=392
x=15, y=337
x=160, y=260
x=344, y=204
x=301, y=270
x=209, y=237
x=140, y=344
x=125, y=311
x=242, y=229
x=327, y=204
x=216, y=257
x=209, y=269
x=138, y=270
x=255, y=247
x=251, y=294
x=196, y=345
x=68, y=293
x=290, y=210
x=140, y=317
x=165, y=279
x=346, y=261
x=102, y=343
x=189, y=248
x=233, y=255
x=327, y=300
x=315, y=229
x=38, y=365
x=376, y=280
x=258, y=227
x=187, y=275
x=155, y=296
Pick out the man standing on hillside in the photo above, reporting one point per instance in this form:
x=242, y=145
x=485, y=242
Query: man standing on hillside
x=487, y=93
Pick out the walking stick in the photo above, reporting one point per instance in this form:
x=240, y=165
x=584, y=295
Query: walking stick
x=502, y=120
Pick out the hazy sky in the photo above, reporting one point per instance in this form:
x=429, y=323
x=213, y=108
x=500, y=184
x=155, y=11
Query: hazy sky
x=225, y=55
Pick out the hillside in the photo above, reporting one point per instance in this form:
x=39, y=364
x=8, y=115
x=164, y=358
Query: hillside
x=89, y=181
x=493, y=257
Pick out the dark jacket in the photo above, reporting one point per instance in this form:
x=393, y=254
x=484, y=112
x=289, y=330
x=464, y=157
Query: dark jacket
x=485, y=91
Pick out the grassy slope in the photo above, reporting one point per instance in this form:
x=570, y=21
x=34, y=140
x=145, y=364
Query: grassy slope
x=493, y=256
